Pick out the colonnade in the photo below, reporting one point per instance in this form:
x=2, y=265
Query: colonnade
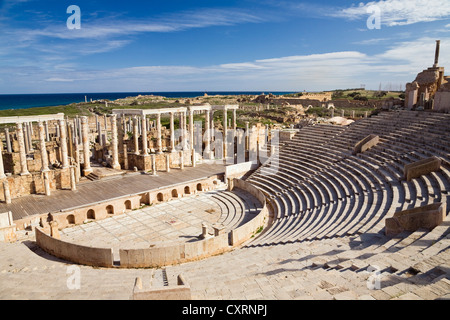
x=76, y=140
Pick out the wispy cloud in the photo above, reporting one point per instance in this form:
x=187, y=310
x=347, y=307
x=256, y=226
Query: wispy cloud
x=400, y=12
x=399, y=63
x=108, y=28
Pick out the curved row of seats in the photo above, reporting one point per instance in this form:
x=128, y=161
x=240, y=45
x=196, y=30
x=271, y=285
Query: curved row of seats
x=237, y=207
x=321, y=190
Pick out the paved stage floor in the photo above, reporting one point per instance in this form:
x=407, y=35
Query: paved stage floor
x=104, y=189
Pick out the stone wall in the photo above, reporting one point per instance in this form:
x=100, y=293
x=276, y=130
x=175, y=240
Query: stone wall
x=254, y=226
x=33, y=183
x=163, y=256
x=96, y=257
x=442, y=101
x=156, y=256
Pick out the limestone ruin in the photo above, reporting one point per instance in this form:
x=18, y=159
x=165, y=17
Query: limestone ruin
x=315, y=212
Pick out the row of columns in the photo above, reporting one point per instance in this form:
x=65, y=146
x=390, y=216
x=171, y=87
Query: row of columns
x=81, y=132
x=142, y=125
x=24, y=133
x=62, y=133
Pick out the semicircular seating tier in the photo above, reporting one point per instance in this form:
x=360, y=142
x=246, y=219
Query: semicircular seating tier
x=320, y=189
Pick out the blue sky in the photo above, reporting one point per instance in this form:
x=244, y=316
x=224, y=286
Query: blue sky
x=245, y=45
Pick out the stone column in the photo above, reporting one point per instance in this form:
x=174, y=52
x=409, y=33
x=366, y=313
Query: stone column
x=436, y=54
x=2, y=168
x=86, y=147
x=25, y=138
x=30, y=137
x=158, y=130
x=207, y=135
x=168, y=162
x=136, y=135
x=73, y=184
x=247, y=136
x=7, y=191
x=77, y=159
x=99, y=135
x=44, y=155
x=115, y=143
x=80, y=131
x=47, y=135
x=8, y=141
x=22, y=153
x=63, y=140
x=154, y=164
x=125, y=156
x=225, y=123
x=46, y=183
x=191, y=130
x=182, y=160
x=172, y=132
x=184, y=131
x=234, y=122
x=144, y=137
x=180, y=125
x=193, y=160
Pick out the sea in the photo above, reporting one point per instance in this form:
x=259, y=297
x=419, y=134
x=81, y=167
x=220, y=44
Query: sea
x=25, y=101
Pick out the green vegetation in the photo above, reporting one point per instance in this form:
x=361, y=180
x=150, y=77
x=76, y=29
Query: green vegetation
x=366, y=95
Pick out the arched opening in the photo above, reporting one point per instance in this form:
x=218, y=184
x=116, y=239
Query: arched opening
x=174, y=193
x=187, y=190
x=160, y=197
x=199, y=187
x=91, y=214
x=128, y=205
x=110, y=210
x=70, y=219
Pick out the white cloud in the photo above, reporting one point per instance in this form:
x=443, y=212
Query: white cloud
x=105, y=28
x=58, y=80
x=398, y=64
x=401, y=12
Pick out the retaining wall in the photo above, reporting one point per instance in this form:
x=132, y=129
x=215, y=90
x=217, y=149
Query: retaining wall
x=160, y=256
x=97, y=257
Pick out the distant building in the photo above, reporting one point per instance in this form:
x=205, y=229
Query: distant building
x=430, y=89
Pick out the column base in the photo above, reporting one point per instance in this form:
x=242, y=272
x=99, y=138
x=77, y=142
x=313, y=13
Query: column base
x=24, y=173
x=116, y=167
x=86, y=172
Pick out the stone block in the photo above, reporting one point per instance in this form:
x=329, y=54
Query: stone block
x=422, y=167
x=181, y=291
x=427, y=217
x=366, y=143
